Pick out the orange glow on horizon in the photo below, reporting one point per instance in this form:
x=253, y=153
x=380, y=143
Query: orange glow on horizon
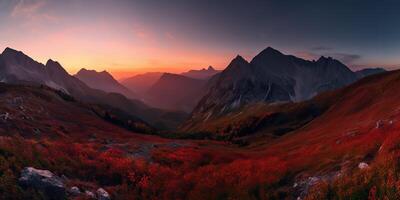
x=121, y=66
x=123, y=48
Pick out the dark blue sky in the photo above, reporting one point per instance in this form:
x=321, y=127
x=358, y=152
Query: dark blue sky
x=358, y=31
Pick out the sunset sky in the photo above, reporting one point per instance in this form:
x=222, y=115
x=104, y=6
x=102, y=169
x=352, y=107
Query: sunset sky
x=128, y=37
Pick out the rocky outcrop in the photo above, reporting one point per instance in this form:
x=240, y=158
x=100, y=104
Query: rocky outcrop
x=74, y=191
x=43, y=180
x=54, y=187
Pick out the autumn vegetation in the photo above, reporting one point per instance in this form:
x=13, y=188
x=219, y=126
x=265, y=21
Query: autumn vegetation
x=361, y=125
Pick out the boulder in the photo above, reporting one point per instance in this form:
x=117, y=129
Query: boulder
x=102, y=194
x=363, y=165
x=43, y=180
x=74, y=191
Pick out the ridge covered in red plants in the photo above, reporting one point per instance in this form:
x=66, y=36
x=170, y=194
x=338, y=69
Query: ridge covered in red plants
x=318, y=160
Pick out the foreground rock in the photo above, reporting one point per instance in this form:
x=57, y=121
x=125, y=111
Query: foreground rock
x=74, y=191
x=54, y=187
x=43, y=180
x=102, y=194
x=363, y=165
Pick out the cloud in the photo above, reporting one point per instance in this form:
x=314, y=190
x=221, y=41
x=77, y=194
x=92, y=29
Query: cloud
x=346, y=57
x=308, y=55
x=170, y=36
x=321, y=48
x=318, y=51
x=143, y=34
x=32, y=11
x=27, y=8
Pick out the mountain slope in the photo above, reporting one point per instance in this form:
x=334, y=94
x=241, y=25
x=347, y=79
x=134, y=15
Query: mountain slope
x=359, y=129
x=103, y=81
x=175, y=92
x=201, y=74
x=352, y=138
x=40, y=112
x=271, y=121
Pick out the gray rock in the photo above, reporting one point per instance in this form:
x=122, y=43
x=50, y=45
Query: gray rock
x=43, y=180
x=102, y=194
x=302, y=187
x=90, y=194
x=75, y=191
x=363, y=165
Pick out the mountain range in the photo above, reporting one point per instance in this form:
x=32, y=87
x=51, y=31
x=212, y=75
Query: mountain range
x=140, y=83
x=291, y=129
x=18, y=68
x=171, y=91
x=271, y=77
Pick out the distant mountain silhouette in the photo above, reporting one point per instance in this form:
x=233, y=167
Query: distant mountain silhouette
x=103, y=81
x=369, y=71
x=142, y=82
x=175, y=92
x=201, y=74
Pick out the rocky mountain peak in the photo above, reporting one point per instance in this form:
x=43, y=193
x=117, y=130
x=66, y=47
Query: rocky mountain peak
x=55, y=67
x=12, y=54
x=9, y=50
x=324, y=59
x=238, y=59
x=237, y=65
x=269, y=51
